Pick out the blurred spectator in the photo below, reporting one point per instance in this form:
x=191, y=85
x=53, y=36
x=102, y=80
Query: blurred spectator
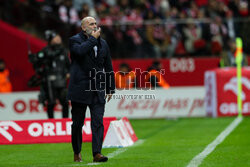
x=203, y=23
x=228, y=56
x=125, y=78
x=136, y=41
x=175, y=38
x=243, y=8
x=154, y=78
x=221, y=9
x=234, y=6
x=78, y=4
x=211, y=8
x=5, y=85
x=84, y=12
x=193, y=10
x=159, y=39
x=111, y=2
x=124, y=4
x=164, y=6
x=119, y=48
x=85, y=8
x=68, y=13
x=193, y=37
x=219, y=35
x=69, y=16
x=230, y=24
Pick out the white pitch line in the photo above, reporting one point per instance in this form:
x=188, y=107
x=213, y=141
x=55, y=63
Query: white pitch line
x=117, y=152
x=196, y=161
x=121, y=150
x=93, y=163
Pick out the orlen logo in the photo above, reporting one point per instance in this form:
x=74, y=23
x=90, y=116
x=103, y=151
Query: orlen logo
x=231, y=107
x=54, y=129
x=4, y=126
x=232, y=86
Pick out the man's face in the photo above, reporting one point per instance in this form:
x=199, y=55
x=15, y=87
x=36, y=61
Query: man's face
x=124, y=69
x=2, y=67
x=56, y=40
x=89, y=25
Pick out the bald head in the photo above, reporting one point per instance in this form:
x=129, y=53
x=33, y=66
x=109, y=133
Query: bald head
x=86, y=19
x=88, y=22
x=89, y=27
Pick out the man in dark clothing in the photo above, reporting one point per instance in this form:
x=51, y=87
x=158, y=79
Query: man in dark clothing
x=91, y=74
x=52, y=68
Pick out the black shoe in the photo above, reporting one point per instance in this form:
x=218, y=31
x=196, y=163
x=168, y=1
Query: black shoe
x=77, y=157
x=100, y=158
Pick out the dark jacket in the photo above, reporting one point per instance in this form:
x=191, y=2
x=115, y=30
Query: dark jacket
x=87, y=70
x=55, y=63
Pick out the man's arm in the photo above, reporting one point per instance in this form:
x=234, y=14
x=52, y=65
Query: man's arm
x=83, y=48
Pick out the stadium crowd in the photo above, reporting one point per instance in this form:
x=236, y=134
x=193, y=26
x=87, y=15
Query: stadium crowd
x=140, y=28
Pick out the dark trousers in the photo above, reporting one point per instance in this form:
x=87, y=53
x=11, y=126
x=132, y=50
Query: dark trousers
x=60, y=94
x=78, y=115
x=65, y=109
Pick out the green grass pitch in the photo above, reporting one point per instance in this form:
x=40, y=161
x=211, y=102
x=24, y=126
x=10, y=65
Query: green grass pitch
x=170, y=143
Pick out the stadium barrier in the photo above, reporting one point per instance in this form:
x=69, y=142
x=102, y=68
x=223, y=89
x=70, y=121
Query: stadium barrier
x=221, y=92
x=159, y=103
x=44, y=131
x=120, y=134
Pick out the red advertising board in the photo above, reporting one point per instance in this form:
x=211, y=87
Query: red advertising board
x=44, y=131
x=178, y=71
x=221, y=92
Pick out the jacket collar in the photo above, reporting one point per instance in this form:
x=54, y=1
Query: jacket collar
x=84, y=36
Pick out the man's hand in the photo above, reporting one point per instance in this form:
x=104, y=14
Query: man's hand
x=109, y=96
x=96, y=33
